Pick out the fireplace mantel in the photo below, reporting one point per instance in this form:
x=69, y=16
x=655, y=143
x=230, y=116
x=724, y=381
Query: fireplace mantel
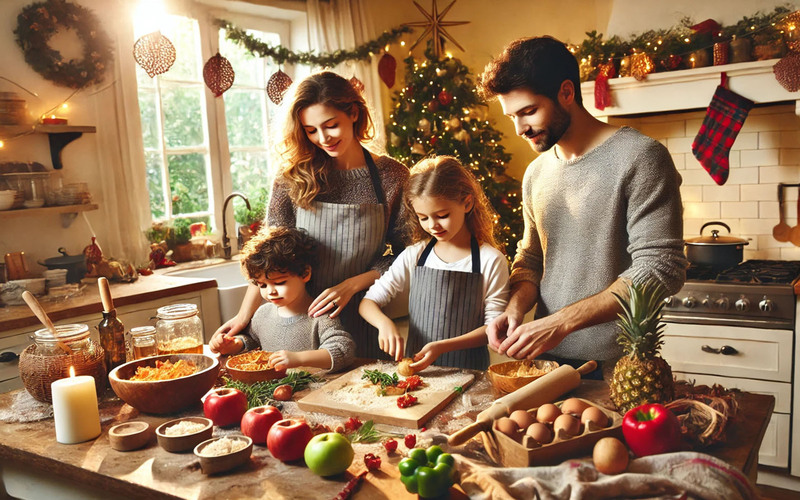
x=689, y=89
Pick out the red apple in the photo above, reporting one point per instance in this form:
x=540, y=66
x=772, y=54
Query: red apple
x=225, y=406
x=257, y=422
x=287, y=439
x=328, y=454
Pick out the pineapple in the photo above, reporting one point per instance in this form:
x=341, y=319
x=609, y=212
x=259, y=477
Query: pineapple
x=641, y=375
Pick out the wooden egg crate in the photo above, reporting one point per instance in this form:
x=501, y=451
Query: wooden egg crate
x=526, y=451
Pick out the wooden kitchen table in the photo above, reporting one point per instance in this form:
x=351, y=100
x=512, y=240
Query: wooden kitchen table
x=94, y=469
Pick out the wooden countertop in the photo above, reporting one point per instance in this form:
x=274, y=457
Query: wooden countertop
x=154, y=473
x=155, y=286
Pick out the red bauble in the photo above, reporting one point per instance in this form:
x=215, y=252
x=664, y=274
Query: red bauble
x=433, y=106
x=434, y=140
x=218, y=74
x=445, y=97
x=386, y=69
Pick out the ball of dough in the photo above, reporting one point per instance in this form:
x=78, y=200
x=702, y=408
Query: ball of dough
x=404, y=367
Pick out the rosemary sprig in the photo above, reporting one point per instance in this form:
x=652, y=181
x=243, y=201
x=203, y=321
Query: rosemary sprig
x=378, y=377
x=260, y=393
x=367, y=433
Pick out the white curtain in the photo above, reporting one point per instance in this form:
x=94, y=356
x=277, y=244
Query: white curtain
x=342, y=24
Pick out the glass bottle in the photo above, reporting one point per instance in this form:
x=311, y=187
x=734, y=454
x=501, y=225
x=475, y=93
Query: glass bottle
x=69, y=339
x=143, y=340
x=112, y=338
x=179, y=329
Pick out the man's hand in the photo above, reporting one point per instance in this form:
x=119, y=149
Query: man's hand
x=500, y=329
x=532, y=339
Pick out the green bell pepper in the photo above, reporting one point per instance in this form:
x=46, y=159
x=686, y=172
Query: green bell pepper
x=428, y=473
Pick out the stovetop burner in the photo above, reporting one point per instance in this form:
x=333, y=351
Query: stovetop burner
x=778, y=272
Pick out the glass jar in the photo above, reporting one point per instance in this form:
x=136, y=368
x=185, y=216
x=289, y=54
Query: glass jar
x=179, y=329
x=69, y=339
x=143, y=340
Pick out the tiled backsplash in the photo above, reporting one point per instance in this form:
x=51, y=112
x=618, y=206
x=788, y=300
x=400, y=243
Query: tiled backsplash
x=766, y=152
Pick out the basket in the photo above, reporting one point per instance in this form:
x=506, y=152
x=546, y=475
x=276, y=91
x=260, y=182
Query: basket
x=39, y=371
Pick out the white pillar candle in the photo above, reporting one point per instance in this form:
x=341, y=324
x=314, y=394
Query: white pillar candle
x=75, y=409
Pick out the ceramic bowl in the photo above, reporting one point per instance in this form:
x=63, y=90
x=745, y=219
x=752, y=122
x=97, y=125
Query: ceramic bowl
x=185, y=442
x=509, y=376
x=129, y=436
x=7, y=198
x=222, y=463
x=251, y=376
x=164, y=396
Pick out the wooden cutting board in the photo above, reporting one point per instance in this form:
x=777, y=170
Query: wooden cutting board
x=350, y=396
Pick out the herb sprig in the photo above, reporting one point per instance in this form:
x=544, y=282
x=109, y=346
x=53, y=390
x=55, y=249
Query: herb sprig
x=260, y=393
x=367, y=433
x=378, y=377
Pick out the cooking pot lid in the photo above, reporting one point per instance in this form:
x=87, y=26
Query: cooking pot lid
x=64, y=259
x=715, y=238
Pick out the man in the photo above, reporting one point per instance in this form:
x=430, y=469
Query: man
x=601, y=205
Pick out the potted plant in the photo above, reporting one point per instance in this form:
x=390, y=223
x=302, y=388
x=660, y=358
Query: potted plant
x=178, y=239
x=250, y=220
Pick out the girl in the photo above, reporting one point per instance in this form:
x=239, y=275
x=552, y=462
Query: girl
x=347, y=198
x=457, y=281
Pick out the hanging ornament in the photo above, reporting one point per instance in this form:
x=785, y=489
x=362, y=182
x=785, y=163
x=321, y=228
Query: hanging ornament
x=218, y=74
x=454, y=123
x=386, y=69
x=417, y=149
x=462, y=136
x=154, y=53
x=424, y=126
x=787, y=72
x=445, y=97
x=433, y=106
x=602, y=92
x=435, y=25
x=641, y=65
x=357, y=84
x=394, y=139
x=671, y=62
x=277, y=85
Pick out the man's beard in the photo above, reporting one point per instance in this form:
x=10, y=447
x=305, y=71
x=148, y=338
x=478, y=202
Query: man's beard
x=554, y=131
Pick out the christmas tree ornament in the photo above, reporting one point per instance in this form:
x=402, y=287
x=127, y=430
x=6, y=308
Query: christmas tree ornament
x=387, y=67
x=433, y=106
x=357, y=84
x=454, y=123
x=417, y=149
x=154, y=53
x=602, y=92
x=445, y=97
x=787, y=71
x=723, y=121
x=641, y=65
x=277, y=85
x=440, y=72
x=424, y=126
x=435, y=25
x=462, y=135
x=434, y=140
x=218, y=74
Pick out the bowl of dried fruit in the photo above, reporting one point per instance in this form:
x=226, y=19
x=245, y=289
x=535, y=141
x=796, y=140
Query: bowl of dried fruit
x=164, y=384
x=183, y=434
x=509, y=376
x=223, y=453
x=252, y=366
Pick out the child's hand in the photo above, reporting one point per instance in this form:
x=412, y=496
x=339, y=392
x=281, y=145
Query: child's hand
x=281, y=360
x=391, y=342
x=224, y=343
x=429, y=353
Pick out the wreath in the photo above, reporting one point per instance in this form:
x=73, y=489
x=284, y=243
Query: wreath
x=38, y=22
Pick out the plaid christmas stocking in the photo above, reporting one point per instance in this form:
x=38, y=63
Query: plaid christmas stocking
x=724, y=119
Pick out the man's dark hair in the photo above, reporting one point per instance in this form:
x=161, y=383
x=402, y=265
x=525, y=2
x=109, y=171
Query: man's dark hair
x=540, y=64
x=279, y=249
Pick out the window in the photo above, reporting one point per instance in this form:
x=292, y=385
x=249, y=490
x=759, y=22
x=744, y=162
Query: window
x=197, y=147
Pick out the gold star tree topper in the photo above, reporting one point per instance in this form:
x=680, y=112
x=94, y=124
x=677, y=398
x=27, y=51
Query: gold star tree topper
x=435, y=25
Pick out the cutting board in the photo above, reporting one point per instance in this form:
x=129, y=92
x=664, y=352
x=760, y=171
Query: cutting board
x=350, y=396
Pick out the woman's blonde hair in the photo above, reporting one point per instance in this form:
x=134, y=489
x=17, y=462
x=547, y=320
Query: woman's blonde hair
x=305, y=165
x=445, y=177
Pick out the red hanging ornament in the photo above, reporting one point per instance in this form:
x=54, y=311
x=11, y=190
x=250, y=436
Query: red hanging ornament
x=787, y=72
x=277, y=85
x=602, y=92
x=387, y=67
x=218, y=74
x=357, y=84
x=154, y=53
x=93, y=252
x=445, y=97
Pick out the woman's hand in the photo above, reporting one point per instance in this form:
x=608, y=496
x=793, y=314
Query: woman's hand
x=391, y=342
x=333, y=300
x=281, y=360
x=429, y=353
x=224, y=343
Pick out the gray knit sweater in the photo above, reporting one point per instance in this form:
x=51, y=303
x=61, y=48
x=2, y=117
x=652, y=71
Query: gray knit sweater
x=299, y=333
x=613, y=212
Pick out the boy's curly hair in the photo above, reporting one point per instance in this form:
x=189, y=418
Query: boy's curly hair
x=279, y=249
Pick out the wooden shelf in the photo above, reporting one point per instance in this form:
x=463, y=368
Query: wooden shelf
x=67, y=212
x=58, y=135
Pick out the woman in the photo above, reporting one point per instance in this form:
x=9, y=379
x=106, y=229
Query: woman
x=347, y=198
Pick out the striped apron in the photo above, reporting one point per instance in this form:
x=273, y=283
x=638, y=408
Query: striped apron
x=445, y=304
x=350, y=238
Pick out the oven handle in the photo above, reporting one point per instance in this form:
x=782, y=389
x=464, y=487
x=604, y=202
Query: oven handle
x=725, y=350
x=704, y=320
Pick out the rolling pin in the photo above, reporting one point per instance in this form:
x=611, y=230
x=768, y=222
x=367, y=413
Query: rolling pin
x=544, y=389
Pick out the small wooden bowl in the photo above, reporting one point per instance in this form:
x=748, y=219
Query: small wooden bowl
x=251, y=376
x=129, y=436
x=222, y=463
x=185, y=442
x=164, y=396
x=503, y=376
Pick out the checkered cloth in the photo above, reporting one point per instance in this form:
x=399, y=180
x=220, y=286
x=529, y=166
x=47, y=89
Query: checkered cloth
x=724, y=118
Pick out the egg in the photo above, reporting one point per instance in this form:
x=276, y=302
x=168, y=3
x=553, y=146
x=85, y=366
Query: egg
x=547, y=413
x=540, y=433
x=507, y=427
x=522, y=418
x=574, y=406
x=594, y=415
x=610, y=456
x=566, y=423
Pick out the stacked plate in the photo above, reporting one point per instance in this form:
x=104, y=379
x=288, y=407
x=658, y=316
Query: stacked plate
x=55, y=277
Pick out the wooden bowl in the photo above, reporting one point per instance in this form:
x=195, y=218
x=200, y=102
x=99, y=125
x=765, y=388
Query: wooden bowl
x=164, y=396
x=129, y=436
x=185, y=442
x=222, y=463
x=251, y=376
x=505, y=376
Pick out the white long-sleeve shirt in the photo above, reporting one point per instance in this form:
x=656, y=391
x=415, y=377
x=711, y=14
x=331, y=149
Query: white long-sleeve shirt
x=494, y=268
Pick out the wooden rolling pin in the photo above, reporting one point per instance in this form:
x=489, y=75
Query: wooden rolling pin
x=544, y=389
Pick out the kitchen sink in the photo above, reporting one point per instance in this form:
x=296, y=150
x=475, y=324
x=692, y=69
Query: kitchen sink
x=231, y=285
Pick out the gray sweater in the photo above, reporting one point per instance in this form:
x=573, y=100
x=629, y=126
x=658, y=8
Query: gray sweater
x=613, y=212
x=299, y=333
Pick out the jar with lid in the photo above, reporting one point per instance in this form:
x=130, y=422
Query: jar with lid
x=69, y=339
x=143, y=341
x=179, y=329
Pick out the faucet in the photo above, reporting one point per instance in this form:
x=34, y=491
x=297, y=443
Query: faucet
x=226, y=246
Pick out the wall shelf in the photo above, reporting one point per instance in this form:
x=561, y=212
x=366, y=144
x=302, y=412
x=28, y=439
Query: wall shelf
x=58, y=135
x=68, y=213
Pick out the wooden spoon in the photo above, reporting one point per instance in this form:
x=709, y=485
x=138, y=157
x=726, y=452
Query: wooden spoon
x=794, y=236
x=782, y=231
x=105, y=294
x=38, y=310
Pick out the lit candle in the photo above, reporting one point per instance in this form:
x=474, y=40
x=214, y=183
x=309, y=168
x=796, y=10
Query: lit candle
x=75, y=408
x=53, y=120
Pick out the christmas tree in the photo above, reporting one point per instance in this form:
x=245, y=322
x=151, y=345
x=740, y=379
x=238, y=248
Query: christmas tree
x=438, y=112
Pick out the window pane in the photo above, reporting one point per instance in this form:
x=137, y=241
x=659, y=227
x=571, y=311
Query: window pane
x=185, y=36
x=155, y=184
x=250, y=173
x=249, y=68
x=244, y=115
x=148, y=109
x=183, y=116
x=188, y=183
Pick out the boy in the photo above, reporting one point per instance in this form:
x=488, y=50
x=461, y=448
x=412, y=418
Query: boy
x=279, y=261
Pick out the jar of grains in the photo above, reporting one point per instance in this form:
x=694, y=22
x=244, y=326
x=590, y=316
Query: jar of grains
x=179, y=329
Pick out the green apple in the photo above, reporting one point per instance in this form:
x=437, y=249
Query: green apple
x=328, y=454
